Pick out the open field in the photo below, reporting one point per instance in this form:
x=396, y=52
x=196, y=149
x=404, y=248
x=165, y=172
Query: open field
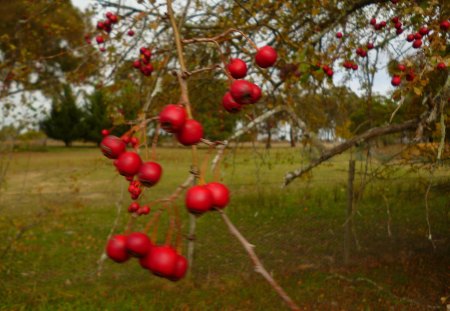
x=57, y=207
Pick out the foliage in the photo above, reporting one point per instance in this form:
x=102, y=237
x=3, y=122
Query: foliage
x=96, y=117
x=64, y=121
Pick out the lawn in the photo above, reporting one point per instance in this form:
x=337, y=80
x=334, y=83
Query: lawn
x=58, y=205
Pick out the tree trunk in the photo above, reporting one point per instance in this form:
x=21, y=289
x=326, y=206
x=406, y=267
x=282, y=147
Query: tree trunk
x=269, y=136
x=292, y=136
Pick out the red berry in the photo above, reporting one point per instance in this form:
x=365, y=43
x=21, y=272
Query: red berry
x=112, y=146
x=144, y=210
x=126, y=139
x=395, y=19
x=149, y=173
x=398, y=25
x=100, y=25
x=116, y=250
x=355, y=66
x=373, y=21
x=445, y=25
x=424, y=31
x=220, y=194
x=383, y=24
x=108, y=15
x=410, y=38
x=417, y=44
x=266, y=57
x=230, y=104
x=138, y=244
x=172, y=118
x=130, y=33
x=199, y=199
x=410, y=76
x=161, y=261
x=401, y=67
x=399, y=31
x=105, y=132
x=396, y=80
x=241, y=91
x=417, y=36
x=370, y=45
x=137, y=64
x=113, y=18
x=142, y=50
x=255, y=94
x=99, y=39
x=133, y=207
x=191, y=133
x=378, y=27
x=329, y=72
x=441, y=66
x=128, y=163
x=147, y=54
x=181, y=266
x=147, y=70
x=339, y=35
x=237, y=68
x=134, y=141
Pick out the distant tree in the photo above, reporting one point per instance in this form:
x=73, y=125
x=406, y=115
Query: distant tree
x=64, y=121
x=96, y=117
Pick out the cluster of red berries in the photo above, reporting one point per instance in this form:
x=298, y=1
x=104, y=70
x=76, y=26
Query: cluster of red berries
x=377, y=26
x=129, y=163
x=174, y=119
x=203, y=198
x=106, y=26
x=328, y=70
x=143, y=63
x=397, y=78
x=161, y=260
x=348, y=64
x=243, y=92
x=416, y=38
x=361, y=52
x=397, y=24
x=137, y=209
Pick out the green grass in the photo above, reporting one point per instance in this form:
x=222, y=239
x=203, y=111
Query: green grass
x=297, y=231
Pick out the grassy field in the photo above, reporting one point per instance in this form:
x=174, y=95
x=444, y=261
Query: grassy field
x=57, y=207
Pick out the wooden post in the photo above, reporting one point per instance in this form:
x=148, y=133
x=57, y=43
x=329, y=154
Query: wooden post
x=349, y=221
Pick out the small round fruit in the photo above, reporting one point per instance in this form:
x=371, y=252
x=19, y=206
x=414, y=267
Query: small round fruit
x=441, y=66
x=370, y=46
x=424, y=31
x=241, y=91
x=112, y=146
x=417, y=36
x=445, y=25
x=116, y=250
x=161, y=261
x=133, y=207
x=137, y=64
x=138, y=244
x=230, y=104
x=401, y=67
x=99, y=39
x=198, y=199
x=149, y=173
x=266, y=57
x=181, y=266
x=373, y=21
x=410, y=38
x=100, y=25
x=410, y=76
x=128, y=163
x=105, y=132
x=130, y=33
x=256, y=93
x=191, y=133
x=237, y=68
x=396, y=80
x=339, y=35
x=417, y=44
x=220, y=194
x=172, y=118
x=144, y=210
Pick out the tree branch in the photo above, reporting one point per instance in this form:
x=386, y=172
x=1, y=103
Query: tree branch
x=368, y=135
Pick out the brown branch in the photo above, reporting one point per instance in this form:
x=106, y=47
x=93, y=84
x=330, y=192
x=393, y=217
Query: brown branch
x=259, y=268
x=368, y=135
